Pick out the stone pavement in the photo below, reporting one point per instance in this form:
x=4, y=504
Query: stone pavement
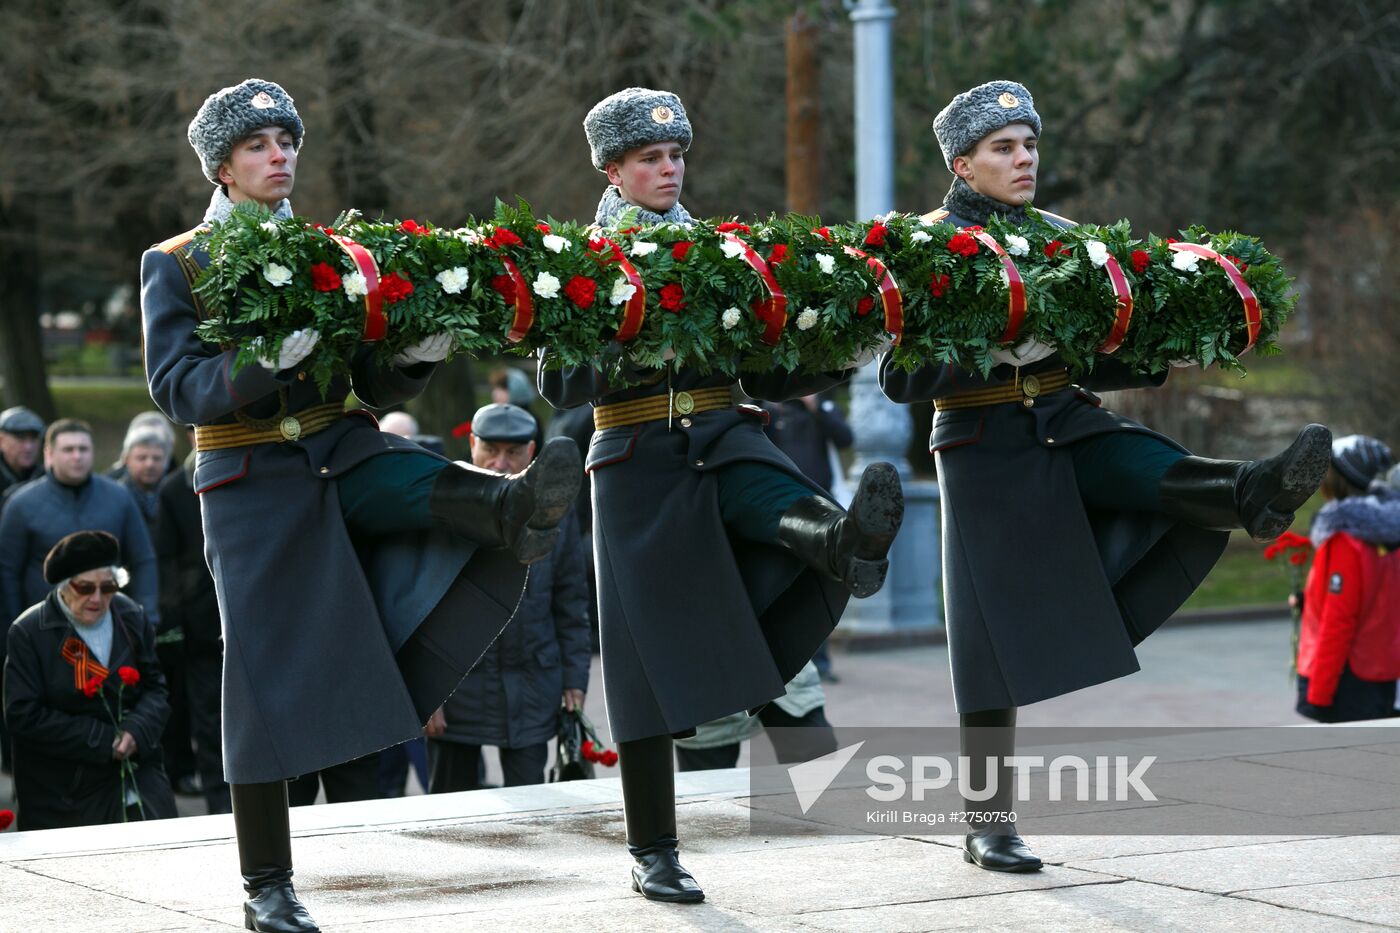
x=550, y=858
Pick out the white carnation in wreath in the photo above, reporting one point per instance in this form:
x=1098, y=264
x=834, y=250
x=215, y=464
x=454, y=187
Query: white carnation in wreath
x=277, y=275
x=807, y=319
x=545, y=285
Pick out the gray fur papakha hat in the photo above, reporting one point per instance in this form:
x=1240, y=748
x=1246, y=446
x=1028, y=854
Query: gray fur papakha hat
x=982, y=110
x=231, y=114
x=637, y=116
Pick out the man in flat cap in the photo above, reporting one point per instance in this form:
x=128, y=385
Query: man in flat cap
x=720, y=567
x=1129, y=522
x=539, y=664
x=20, y=434
x=295, y=492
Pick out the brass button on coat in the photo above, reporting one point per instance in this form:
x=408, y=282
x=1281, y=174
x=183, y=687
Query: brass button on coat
x=685, y=422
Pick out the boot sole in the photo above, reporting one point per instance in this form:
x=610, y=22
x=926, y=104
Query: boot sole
x=554, y=477
x=1305, y=465
x=878, y=511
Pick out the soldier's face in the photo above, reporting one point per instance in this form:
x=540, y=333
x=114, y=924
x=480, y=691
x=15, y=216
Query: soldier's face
x=262, y=167
x=1003, y=164
x=70, y=457
x=20, y=450
x=501, y=456
x=650, y=176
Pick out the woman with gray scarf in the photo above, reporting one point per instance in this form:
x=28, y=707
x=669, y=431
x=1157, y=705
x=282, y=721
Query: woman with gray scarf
x=721, y=568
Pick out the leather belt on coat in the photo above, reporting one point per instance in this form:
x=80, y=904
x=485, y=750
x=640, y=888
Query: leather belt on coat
x=1025, y=389
x=247, y=432
x=661, y=407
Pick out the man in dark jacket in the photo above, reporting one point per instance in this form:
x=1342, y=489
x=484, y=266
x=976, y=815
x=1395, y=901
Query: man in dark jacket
x=20, y=434
x=1123, y=522
x=538, y=663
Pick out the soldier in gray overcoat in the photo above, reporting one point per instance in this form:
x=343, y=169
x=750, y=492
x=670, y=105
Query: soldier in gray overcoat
x=358, y=576
x=720, y=567
x=1070, y=533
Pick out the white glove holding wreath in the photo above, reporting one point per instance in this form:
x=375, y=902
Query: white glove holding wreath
x=295, y=347
x=432, y=349
x=1026, y=352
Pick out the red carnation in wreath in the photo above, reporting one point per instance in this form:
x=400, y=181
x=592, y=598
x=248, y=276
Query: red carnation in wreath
x=581, y=290
x=505, y=287
x=1141, y=260
x=963, y=244
x=672, y=297
x=395, y=287
x=865, y=306
x=876, y=236
x=939, y=283
x=678, y=250
x=732, y=227
x=324, y=278
x=778, y=254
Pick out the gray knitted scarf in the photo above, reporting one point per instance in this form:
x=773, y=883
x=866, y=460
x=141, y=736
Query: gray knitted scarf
x=612, y=206
x=220, y=207
x=962, y=201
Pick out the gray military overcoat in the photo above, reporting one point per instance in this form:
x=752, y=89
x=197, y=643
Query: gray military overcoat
x=695, y=624
x=1042, y=597
x=328, y=654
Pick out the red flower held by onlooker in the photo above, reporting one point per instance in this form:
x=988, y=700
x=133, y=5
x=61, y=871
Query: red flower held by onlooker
x=130, y=676
x=876, y=236
x=324, y=277
x=939, y=283
x=672, y=297
x=505, y=287
x=608, y=758
x=395, y=287
x=733, y=227
x=778, y=253
x=93, y=687
x=1141, y=260
x=963, y=244
x=7, y=819
x=865, y=306
x=678, y=250
x=581, y=290
x=1289, y=541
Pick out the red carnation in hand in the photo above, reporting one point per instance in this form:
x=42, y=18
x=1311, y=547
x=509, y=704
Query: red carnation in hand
x=395, y=287
x=412, y=226
x=93, y=687
x=678, y=250
x=7, y=819
x=824, y=233
x=587, y=750
x=129, y=675
x=581, y=290
x=876, y=236
x=733, y=227
x=672, y=297
x=865, y=306
x=963, y=244
x=778, y=253
x=1298, y=557
x=608, y=758
x=505, y=287
x=1141, y=260
x=504, y=237
x=939, y=283
x=324, y=277
x=462, y=430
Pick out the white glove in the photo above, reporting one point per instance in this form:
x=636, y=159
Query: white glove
x=432, y=349
x=1183, y=364
x=1026, y=352
x=869, y=354
x=296, y=347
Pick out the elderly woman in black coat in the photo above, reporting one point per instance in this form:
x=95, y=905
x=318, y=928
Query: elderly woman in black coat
x=85, y=701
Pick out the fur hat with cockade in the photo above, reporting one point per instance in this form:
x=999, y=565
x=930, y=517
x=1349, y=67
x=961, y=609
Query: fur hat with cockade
x=637, y=116
x=235, y=112
x=984, y=109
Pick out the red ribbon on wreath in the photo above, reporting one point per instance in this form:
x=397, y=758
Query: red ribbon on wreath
x=891, y=299
x=772, y=311
x=634, y=310
x=376, y=324
x=1252, y=319
x=1123, y=294
x=1016, y=288
x=524, y=304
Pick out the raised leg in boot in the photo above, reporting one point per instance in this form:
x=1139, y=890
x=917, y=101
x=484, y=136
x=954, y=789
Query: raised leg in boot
x=649, y=803
x=992, y=843
x=850, y=545
x=260, y=821
x=1259, y=496
x=521, y=512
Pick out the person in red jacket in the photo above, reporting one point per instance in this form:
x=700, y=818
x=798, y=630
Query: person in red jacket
x=1348, y=648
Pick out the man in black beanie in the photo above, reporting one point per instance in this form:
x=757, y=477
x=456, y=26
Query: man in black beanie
x=1126, y=522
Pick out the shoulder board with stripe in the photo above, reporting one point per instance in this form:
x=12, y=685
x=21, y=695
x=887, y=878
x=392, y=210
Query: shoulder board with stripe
x=177, y=241
x=934, y=217
x=1052, y=216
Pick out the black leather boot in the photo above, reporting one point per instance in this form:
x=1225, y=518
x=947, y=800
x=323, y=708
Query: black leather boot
x=260, y=820
x=649, y=803
x=1259, y=496
x=849, y=545
x=520, y=512
x=991, y=843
